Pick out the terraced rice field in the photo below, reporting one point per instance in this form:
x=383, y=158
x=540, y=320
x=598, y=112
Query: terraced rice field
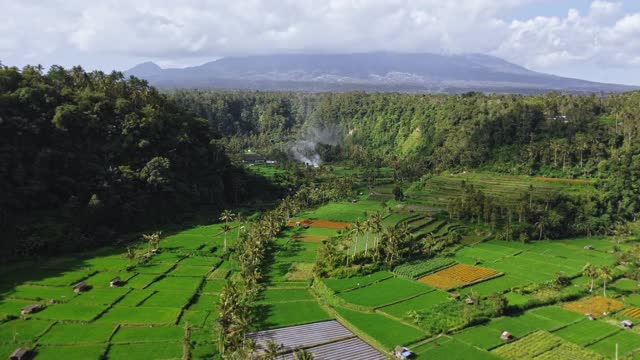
x=543, y=345
x=633, y=312
x=384, y=292
x=440, y=188
x=456, y=276
x=596, y=306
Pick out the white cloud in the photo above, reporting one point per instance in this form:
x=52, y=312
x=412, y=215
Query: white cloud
x=172, y=31
x=602, y=36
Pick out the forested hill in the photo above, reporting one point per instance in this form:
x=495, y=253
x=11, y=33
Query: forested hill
x=374, y=71
x=554, y=134
x=87, y=156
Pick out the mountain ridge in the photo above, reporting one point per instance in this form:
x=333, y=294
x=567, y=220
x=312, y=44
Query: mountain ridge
x=376, y=71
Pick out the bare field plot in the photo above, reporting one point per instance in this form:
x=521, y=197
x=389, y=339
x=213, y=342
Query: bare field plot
x=596, y=306
x=456, y=276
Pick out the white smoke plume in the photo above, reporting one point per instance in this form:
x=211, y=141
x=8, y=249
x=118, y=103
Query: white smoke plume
x=305, y=150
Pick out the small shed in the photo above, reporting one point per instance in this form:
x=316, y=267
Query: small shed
x=402, y=352
x=589, y=316
x=20, y=354
x=626, y=324
x=80, y=287
x=506, y=336
x=588, y=247
x=469, y=301
x=455, y=296
x=115, y=282
x=30, y=309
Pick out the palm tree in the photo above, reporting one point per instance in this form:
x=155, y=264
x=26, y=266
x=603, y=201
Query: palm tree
x=366, y=225
x=605, y=274
x=590, y=271
x=153, y=240
x=225, y=228
x=357, y=229
x=302, y=354
x=272, y=350
x=227, y=216
x=241, y=219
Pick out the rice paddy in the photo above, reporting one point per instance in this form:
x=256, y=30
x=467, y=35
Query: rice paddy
x=180, y=287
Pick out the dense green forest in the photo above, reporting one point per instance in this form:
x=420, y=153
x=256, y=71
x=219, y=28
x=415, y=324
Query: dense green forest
x=86, y=157
x=89, y=156
x=559, y=135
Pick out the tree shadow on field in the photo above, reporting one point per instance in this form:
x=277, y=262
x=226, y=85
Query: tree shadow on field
x=261, y=313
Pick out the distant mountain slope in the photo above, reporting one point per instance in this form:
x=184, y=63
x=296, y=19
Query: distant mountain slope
x=380, y=71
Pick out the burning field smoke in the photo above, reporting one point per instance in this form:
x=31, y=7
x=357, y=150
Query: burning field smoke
x=305, y=150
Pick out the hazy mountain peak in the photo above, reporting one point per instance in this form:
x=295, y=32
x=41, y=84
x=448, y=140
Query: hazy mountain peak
x=375, y=71
x=144, y=69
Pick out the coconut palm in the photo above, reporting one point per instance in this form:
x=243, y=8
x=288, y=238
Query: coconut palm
x=272, y=350
x=225, y=229
x=302, y=354
x=590, y=271
x=357, y=229
x=226, y=216
x=606, y=274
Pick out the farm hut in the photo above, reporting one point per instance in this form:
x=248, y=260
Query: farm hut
x=589, y=316
x=33, y=308
x=455, y=296
x=626, y=324
x=353, y=201
x=506, y=336
x=20, y=354
x=588, y=247
x=469, y=301
x=402, y=352
x=80, y=287
x=115, y=282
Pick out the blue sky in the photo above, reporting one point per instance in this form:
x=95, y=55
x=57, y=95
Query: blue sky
x=590, y=39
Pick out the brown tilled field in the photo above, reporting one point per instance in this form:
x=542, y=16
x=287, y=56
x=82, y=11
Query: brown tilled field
x=457, y=275
x=595, y=306
x=325, y=224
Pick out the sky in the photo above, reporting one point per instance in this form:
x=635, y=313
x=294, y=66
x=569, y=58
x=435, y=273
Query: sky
x=595, y=40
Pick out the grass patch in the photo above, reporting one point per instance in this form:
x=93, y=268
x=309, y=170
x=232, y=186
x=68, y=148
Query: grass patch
x=206, y=302
x=449, y=348
x=170, y=283
x=157, y=351
x=141, y=315
x=384, y=292
x=586, y=331
x=176, y=299
x=190, y=270
x=77, y=334
x=148, y=334
x=338, y=285
x=70, y=352
x=70, y=312
x=387, y=332
x=22, y=331
x=32, y=292
x=141, y=281
x=627, y=342
x=421, y=302
x=213, y=286
x=290, y=313
x=99, y=296
x=284, y=295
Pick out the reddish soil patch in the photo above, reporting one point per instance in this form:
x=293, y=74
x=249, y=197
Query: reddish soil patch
x=325, y=224
x=569, y=181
